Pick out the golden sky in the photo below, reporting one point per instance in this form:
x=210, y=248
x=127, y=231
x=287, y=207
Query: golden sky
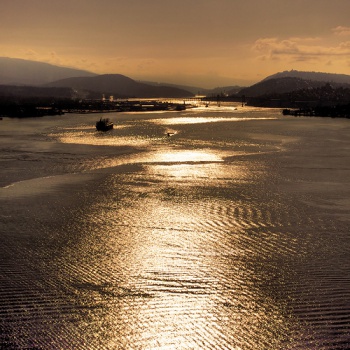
x=204, y=43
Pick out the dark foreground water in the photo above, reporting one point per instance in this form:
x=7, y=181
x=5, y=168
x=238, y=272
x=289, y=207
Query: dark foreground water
x=233, y=233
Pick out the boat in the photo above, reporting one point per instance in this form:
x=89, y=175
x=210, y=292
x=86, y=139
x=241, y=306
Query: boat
x=104, y=124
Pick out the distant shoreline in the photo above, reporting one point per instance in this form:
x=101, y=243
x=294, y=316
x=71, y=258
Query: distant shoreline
x=32, y=109
x=341, y=111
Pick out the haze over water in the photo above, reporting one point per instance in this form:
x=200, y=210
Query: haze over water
x=233, y=233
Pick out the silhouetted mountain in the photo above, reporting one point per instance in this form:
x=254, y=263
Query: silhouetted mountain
x=226, y=90
x=278, y=85
x=293, y=81
x=229, y=90
x=314, y=76
x=119, y=86
x=310, y=97
x=14, y=71
x=193, y=89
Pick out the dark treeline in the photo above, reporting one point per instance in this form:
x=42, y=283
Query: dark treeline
x=19, y=93
x=39, y=106
x=339, y=111
x=29, y=107
x=304, y=98
x=28, y=111
x=22, y=102
x=323, y=101
x=30, y=101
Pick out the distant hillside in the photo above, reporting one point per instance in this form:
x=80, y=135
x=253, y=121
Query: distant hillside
x=279, y=85
x=193, y=89
x=314, y=76
x=309, y=98
x=289, y=81
x=14, y=71
x=119, y=86
x=229, y=90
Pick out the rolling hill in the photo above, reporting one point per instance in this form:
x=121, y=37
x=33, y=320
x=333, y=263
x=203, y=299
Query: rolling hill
x=278, y=85
x=119, y=86
x=289, y=81
x=313, y=76
x=80, y=83
x=14, y=71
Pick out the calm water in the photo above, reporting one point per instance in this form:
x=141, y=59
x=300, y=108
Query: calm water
x=233, y=233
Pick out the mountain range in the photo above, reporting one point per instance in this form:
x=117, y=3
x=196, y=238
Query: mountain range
x=312, y=76
x=17, y=76
x=15, y=71
x=19, y=72
x=293, y=80
x=119, y=86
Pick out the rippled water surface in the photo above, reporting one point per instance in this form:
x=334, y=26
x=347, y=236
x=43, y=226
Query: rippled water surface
x=230, y=233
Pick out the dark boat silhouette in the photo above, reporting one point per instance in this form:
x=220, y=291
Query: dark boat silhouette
x=104, y=124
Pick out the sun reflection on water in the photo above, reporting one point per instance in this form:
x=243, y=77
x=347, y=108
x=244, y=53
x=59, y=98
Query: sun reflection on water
x=97, y=139
x=175, y=156
x=167, y=266
x=180, y=164
x=200, y=120
x=172, y=250
x=183, y=274
x=204, y=240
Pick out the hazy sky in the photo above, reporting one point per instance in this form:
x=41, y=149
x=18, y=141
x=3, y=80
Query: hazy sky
x=204, y=43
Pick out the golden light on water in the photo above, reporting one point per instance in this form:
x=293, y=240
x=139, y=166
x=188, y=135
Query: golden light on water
x=183, y=120
x=167, y=276
x=183, y=156
x=184, y=171
x=213, y=237
x=180, y=165
x=97, y=139
x=165, y=244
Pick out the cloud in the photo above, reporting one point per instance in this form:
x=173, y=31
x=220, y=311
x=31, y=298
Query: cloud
x=298, y=49
x=345, y=46
x=341, y=31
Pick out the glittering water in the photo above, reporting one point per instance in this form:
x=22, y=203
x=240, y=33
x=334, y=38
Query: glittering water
x=231, y=233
